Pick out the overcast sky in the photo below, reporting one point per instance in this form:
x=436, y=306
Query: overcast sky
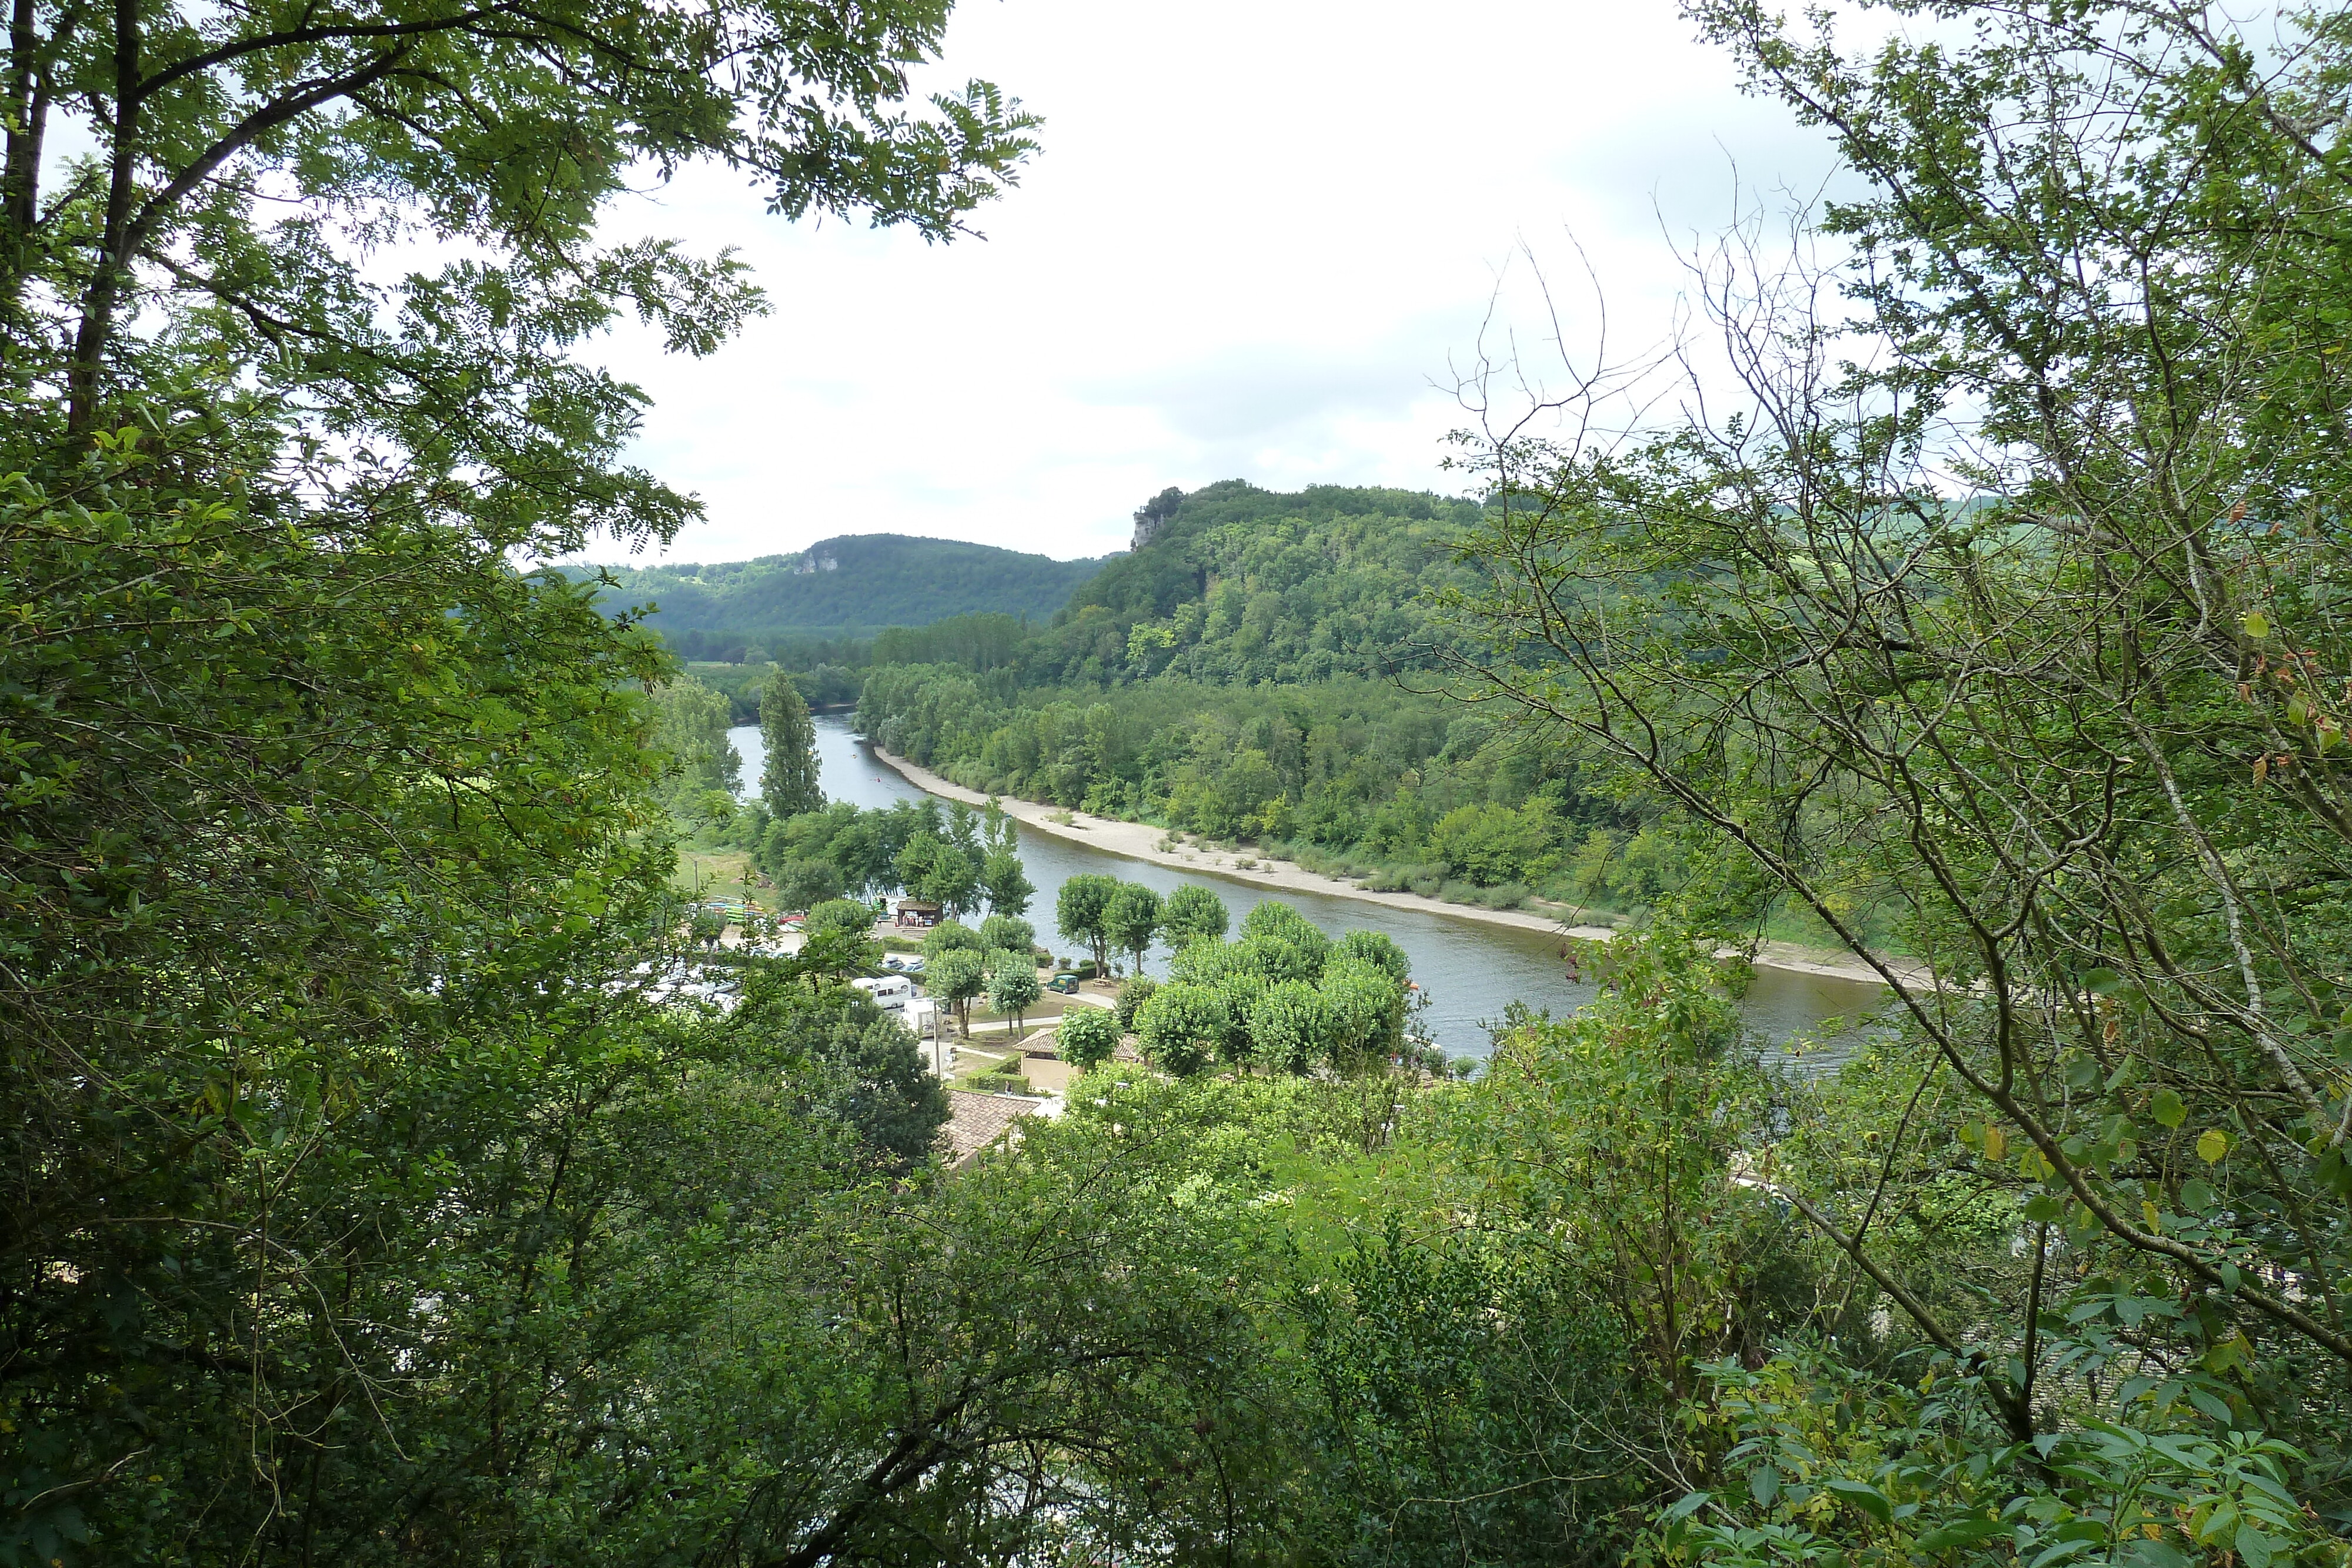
x=1257, y=237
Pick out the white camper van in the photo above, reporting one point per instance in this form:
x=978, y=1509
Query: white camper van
x=891, y=993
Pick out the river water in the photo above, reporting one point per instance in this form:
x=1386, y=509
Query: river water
x=1471, y=970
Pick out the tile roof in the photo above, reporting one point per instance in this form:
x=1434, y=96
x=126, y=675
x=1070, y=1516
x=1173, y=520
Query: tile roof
x=976, y=1121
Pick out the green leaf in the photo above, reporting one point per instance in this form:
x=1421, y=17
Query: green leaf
x=2212, y=1143
x=1966, y=1533
x=1690, y=1503
x=2257, y=623
x=2165, y=1107
x=2103, y=982
x=1862, y=1495
x=2254, y=1547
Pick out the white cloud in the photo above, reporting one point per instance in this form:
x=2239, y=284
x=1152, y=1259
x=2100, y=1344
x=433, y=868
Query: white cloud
x=1256, y=236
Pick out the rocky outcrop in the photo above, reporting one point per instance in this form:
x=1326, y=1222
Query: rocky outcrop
x=1155, y=515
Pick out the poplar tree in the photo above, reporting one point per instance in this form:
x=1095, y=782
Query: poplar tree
x=788, y=780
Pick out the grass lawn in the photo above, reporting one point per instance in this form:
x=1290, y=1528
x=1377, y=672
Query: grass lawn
x=975, y=1058
x=1044, y=1010
x=720, y=874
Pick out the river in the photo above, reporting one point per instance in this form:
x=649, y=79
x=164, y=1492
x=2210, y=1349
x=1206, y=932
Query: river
x=1472, y=971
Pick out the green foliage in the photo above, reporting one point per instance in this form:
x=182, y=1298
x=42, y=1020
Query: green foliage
x=384, y=1184
x=1284, y=943
x=825, y=674
x=917, y=1338
x=1012, y=983
x=803, y=884
x=1190, y=913
x=1132, y=920
x=788, y=780
x=954, y=858
x=1621, y=1125
x=1006, y=884
x=1182, y=1027
x=1287, y=998
x=836, y=943
x=1823, y=1465
x=1291, y=1028
x=1377, y=948
x=852, y=1065
x=944, y=600
x=956, y=977
x=1319, y=756
x=1133, y=992
x=1242, y=585
x=1087, y=1037
x=320, y=826
x=1279, y=999
x=1492, y=844
x=976, y=643
x=1464, y=1392
x=2023, y=640
x=691, y=724
x=952, y=936
x=1007, y=931
x=1079, y=913
x=251, y=164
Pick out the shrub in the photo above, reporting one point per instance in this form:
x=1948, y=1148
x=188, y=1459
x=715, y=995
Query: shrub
x=1376, y=949
x=805, y=884
x=841, y=914
x=1191, y=913
x=1008, y=931
x=1290, y=1027
x=951, y=936
x=1367, y=1011
x=1012, y=982
x=1132, y=996
x=1182, y=1026
x=1088, y=1037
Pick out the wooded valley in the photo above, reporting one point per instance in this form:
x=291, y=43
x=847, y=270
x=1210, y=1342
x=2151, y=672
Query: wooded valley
x=399, y=1169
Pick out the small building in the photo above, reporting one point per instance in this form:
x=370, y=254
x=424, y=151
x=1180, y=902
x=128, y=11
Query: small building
x=918, y=912
x=976, y=1121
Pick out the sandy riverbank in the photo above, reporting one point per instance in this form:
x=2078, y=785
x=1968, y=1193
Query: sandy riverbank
x=1141, y=841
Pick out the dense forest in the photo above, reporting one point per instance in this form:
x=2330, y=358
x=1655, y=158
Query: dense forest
x=1273, y=667
x=399, y=1171
x=846, y=587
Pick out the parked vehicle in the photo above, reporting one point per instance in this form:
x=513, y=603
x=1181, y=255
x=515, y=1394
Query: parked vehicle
x=1065, y=982
x=891, y=993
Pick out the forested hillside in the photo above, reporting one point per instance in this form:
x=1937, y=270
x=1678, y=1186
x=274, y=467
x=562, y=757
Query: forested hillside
x=1239, y=585
x=853, y=585
x=1268, y=666
x=400, y=1173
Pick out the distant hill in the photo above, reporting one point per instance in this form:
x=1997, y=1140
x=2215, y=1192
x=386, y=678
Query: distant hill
x=1235, y=585
x=853, y=585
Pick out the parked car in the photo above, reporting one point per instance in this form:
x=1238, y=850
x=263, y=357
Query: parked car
x=1065, y=982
